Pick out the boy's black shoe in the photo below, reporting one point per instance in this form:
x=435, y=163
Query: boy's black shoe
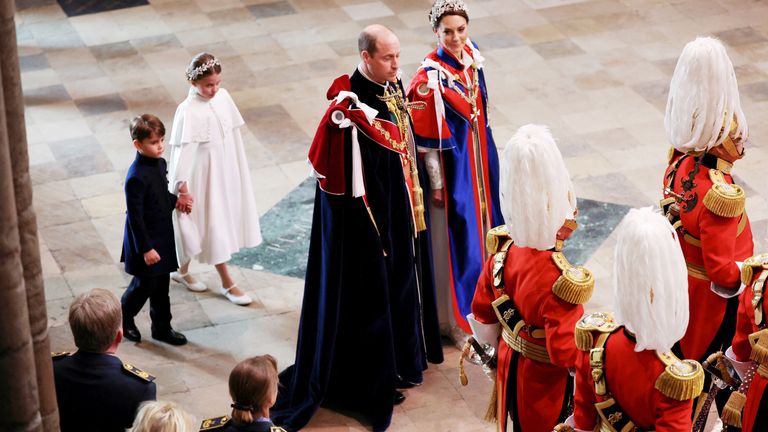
x=170, y=336
x=399, y=397
x=130, y=331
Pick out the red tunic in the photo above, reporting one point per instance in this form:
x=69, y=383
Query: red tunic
x=723, y=241
x=630, y=378
x=540, y=388
x=745, y=325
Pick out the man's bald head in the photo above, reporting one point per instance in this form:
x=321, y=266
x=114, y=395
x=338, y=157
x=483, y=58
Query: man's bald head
x=367, y=39
x=380, y=53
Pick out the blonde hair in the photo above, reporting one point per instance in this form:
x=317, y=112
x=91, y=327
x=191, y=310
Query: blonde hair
x=703, y=98
x=95, y=318
x=535, y=189
x=162, y=416
x=650, y=280
x=252, y=384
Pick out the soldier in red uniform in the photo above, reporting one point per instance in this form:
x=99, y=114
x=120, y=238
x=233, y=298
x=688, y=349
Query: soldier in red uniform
x=528, y=293
x=707, y=130
x=628, y=377
x=749, y=352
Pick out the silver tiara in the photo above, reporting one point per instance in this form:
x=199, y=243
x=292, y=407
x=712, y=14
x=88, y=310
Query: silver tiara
x=196, y=72
x=442, y=6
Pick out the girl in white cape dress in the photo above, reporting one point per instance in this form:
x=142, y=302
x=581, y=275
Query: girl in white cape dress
x=207, y=156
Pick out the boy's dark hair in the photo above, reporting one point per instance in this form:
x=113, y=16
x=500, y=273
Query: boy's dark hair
x=143, y=126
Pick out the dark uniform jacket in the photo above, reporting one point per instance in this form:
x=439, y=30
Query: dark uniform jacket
x=148, y=222
x=96, y=392
x=225, y=424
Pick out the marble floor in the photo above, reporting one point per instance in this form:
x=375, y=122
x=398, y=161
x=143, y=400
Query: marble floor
x=595, y=71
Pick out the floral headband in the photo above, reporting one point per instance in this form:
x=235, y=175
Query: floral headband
x=195, y=73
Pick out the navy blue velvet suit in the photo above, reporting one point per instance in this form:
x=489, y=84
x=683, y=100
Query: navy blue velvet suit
x=95, y=393
x=148, y=225
x=364, y=319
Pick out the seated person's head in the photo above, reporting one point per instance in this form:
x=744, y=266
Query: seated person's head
x=253, y=388
x=96, y=321
x=162, y=416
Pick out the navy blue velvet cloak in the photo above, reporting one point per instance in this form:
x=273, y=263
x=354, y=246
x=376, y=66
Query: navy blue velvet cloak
x=369, y=313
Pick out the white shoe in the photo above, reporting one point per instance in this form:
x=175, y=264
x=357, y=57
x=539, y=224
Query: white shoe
x=241, y=300
x=196, y=286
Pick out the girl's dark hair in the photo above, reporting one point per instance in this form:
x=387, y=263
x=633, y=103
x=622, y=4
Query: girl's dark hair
x=196, y=69
x=251, y=384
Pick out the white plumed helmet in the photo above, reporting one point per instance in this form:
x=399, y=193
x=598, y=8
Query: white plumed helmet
x=703, y=98
x=650, y=280
x=535, y=190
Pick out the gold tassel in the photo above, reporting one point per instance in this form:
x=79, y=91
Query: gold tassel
x=584, y=339
x=462, y=375
x=490, y=413
x=732, y=410
x=418, y=198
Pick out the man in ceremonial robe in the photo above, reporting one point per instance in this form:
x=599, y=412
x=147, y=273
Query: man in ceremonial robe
x=368, y=323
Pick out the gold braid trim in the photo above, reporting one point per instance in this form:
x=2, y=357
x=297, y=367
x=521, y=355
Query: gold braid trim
x=759, y=342
x=724, y=199
x=575, y=285
x=682, y=379
x=601, y=322
x=495, y=238
x=732, y=410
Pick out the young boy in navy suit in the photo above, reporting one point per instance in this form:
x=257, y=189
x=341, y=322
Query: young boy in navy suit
x=149, y=251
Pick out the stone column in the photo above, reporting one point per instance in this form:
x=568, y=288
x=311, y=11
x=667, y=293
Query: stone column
x=28, y=400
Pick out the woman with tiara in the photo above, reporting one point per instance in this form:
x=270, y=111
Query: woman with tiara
x=450, y=122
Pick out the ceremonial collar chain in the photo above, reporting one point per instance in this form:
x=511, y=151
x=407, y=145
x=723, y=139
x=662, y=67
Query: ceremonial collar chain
x=442, y=6
x=195, y=73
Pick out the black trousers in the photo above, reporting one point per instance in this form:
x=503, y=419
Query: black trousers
x=154, y=288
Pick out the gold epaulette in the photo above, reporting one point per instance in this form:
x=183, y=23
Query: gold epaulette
x=276, y=429
x=750, y=264
x=682, y=379
x=213, y=423
x=133, y=370
x=575, y=285
x=59, y=354
x=601, y=322
x=562, y=427
x=724, y=199
x=759, y=342
x=496, y=238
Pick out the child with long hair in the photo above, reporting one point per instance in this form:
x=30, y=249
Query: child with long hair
x=253, y=388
